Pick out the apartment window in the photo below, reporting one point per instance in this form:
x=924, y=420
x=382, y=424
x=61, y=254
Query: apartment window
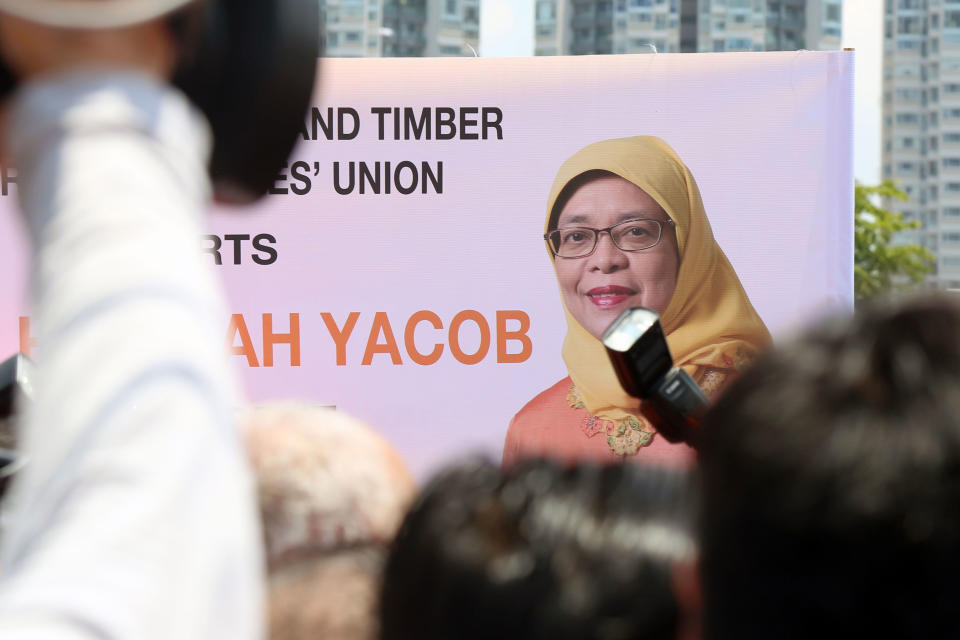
x=950, y=237
x=909, y=25
x=352, y=36
x=908, y=95
x=951, y=114
x=907, y=70
x=951, y=163
x=904, y=168
x=951, y=212
x=907, y=118
x=951, y=262
x=907, y=143
x=546, y=11
x=950, y=138
x=833, y=12
x=952, y=187
x=951, y=19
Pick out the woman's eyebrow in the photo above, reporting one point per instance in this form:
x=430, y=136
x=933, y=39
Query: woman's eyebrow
x=581, y=218
x=638, y=215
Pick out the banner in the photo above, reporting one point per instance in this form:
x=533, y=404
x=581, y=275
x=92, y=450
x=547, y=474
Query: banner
x=399, y=269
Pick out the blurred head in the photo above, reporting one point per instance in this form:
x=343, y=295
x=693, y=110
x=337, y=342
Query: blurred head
x=633, y=264
x=332, y=493
x=539, y=551
x=48, y=37
x=831, y=483
x=90, y=14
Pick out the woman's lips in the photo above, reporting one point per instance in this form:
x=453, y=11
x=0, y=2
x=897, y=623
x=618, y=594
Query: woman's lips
x=609, y=296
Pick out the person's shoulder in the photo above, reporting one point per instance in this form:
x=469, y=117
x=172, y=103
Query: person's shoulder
x=529, y=428
x=546, y=403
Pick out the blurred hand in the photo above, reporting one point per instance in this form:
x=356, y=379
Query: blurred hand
x=33, y=50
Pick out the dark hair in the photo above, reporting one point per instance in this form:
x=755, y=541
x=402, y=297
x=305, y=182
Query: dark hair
x=539, y=552
x=569, y=189
x=831, y=483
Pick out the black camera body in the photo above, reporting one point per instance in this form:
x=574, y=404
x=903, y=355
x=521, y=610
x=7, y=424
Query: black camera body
x=250, y=67
x=638, y=351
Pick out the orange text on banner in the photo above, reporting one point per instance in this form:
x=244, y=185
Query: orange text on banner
x=238, y=329
x=26, y=341
x=382, y=340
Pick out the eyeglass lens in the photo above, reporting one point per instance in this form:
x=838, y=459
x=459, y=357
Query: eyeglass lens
x=632, y=235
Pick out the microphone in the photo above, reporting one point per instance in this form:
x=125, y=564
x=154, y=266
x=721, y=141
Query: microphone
x=672, y=401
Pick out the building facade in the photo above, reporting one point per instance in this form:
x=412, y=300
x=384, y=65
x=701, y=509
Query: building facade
x=388, y=28
x=667, y=26
x=921, y=124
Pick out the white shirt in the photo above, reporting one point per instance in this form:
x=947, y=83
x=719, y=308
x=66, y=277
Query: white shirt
x=135, y=516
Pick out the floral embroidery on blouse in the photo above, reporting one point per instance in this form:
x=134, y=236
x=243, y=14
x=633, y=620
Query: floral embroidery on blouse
x=713, y=380
x=738, y=362
x=624, y=438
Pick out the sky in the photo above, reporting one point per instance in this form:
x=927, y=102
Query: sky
x=506, y=29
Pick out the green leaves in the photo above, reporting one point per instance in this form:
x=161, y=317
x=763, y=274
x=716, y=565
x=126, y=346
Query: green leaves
x=878, y=266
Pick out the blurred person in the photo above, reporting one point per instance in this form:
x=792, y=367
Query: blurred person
x=539, y=551
x=626, y=227
x=332, y=494
x=831, y=483
x=135, y=516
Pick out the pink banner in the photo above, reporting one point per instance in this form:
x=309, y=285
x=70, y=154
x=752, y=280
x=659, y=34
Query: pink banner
x=399, y=271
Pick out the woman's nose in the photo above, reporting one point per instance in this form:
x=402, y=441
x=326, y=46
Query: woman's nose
x=607, y=257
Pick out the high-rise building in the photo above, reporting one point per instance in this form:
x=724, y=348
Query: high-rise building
x=381, y=28
x=921, y=124
x=638, y=26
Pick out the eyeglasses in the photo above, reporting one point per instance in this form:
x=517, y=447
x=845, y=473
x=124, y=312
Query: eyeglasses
x=580, y=242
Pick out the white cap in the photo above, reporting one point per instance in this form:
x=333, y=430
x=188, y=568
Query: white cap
x=90, y=14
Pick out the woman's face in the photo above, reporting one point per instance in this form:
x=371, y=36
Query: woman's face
x=598, y=287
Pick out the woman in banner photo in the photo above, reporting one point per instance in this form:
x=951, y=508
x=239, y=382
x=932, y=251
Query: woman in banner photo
x=626, y=227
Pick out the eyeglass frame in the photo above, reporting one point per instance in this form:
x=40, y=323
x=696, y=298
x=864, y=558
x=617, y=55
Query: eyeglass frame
x=607, y=230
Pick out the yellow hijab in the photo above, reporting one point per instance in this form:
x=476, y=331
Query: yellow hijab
x=709, y=321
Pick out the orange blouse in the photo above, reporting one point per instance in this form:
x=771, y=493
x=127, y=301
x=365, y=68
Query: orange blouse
x=555, y=425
